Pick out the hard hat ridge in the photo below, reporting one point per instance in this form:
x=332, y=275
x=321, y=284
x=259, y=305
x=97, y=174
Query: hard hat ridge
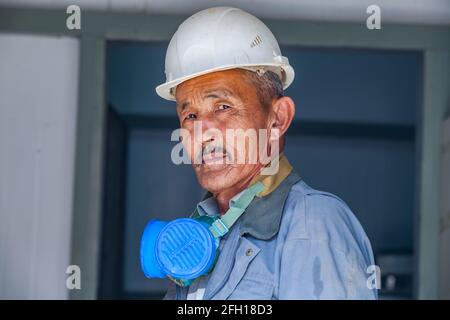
x=221, y=38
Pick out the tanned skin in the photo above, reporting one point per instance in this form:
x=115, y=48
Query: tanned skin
x=227, y=100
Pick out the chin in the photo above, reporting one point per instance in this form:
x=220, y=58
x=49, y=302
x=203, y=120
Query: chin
x=215, y=178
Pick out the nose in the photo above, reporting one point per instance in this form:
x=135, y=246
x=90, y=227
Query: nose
x=207, y=135
x=209, y=131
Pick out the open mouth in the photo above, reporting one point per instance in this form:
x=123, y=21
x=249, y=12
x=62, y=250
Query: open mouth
x=214, y=158
x=216, y=155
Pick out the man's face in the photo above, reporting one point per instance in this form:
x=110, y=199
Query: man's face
x=220, y=101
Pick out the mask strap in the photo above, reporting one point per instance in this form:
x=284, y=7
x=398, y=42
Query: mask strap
x=221, y=226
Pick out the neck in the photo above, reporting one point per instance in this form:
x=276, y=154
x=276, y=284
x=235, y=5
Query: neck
x=224, y=196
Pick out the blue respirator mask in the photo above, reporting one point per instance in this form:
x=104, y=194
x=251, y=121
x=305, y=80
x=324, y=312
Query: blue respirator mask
x=187, y=248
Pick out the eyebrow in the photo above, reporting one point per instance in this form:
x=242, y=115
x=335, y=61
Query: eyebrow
x=183, y=105
x=210, y=94
x=218, y=93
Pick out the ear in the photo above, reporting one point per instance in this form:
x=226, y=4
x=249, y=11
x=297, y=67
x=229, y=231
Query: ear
x=283, y=113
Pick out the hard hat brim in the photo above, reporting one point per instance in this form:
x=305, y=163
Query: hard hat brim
x=165, y=90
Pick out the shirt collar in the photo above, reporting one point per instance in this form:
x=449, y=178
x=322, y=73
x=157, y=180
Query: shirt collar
x=263, y=216
x=209, y=205
x=271, y=182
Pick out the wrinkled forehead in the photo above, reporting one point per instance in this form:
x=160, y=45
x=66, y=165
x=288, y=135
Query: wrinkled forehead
x=229, y=84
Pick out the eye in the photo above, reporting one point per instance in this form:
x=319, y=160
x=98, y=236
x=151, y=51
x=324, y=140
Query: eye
x=223, y=107
x=190, y=116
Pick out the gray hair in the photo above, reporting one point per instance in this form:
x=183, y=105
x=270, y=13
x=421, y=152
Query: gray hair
x=268, y=86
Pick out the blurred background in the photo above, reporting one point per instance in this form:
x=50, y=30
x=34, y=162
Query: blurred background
x=85, y=141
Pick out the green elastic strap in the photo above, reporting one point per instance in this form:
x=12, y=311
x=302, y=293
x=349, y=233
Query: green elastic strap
x=221, y=226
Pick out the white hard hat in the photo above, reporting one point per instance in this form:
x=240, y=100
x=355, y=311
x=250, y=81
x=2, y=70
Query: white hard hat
x=221, y=38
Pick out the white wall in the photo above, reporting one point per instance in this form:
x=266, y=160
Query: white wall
x=38, y=104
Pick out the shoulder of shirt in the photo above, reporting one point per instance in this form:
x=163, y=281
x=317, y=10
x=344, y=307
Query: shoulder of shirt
x=311, y=214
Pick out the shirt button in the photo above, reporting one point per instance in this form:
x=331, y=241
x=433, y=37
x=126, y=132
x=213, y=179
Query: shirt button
x=249, y=252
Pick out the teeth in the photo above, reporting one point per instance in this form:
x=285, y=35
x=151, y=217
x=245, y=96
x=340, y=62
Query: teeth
x=213, y=156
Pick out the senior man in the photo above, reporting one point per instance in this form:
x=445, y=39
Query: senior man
x=225, y=71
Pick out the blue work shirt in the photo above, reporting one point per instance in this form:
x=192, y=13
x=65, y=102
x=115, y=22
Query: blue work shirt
x=295, y=243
